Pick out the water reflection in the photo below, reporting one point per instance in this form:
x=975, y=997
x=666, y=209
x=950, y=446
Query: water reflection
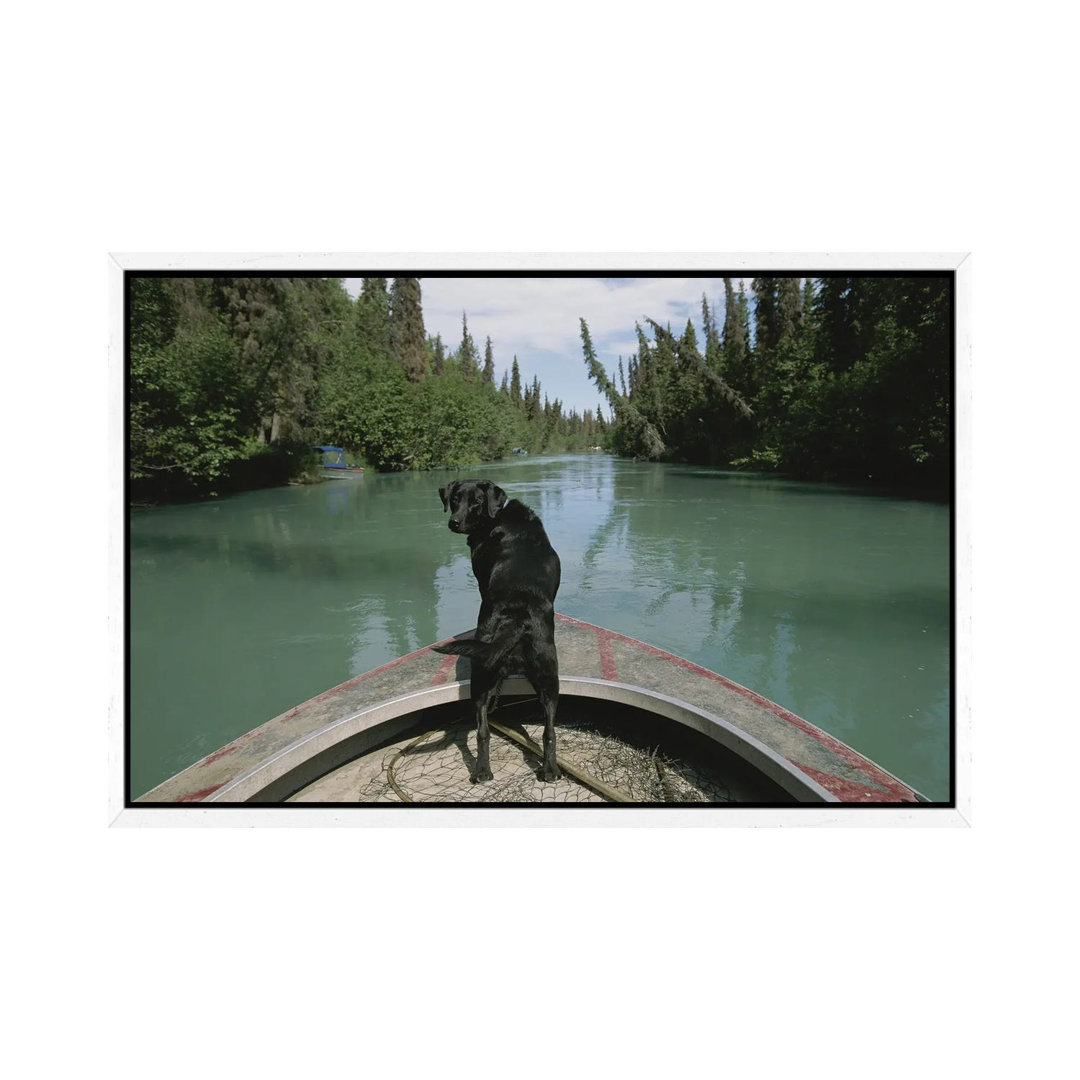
x=833, y=604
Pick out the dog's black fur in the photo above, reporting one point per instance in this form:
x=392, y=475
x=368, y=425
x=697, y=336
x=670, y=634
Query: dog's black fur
x=518, y=572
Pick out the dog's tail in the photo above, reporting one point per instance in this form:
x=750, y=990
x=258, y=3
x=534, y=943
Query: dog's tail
x=489, y=653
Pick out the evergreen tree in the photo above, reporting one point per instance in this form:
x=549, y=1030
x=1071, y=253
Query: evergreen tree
x=789, y=310
x=766, y=328
x=807, y=304
x=635, y=435
x=515, y=384
x=467, y=358
x=712, y=337
x=693, y=364
x=735, y=344
x=438, y=355
x=730, y=320
x=489, y=364
x=661, y=397
x=373, y=316
x=407, y=338
x=738, y=366
x=840, y=322
x=532, y=400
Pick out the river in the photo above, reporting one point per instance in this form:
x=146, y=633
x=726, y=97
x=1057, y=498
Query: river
x=831, y=601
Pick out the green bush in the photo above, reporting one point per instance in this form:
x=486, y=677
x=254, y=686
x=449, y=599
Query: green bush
x=184, y=409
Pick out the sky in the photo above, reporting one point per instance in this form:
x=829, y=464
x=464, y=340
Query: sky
x=537, y=319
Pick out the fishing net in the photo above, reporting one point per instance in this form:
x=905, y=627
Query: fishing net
x=603, y=759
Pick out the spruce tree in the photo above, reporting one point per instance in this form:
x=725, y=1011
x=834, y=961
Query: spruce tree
x=686, y=380
x=836, y=314
x=634, y=434
x=532, y=400
x=438, y=355
x=736, y=342
x=661, y=390
x=766, y=326
x=407, y=338
x=807, y=306
x=467, y=357
x=742, y=307
x=712, y=336
x=373, y=316
x=515, y=384
x=489, y=364
x=731, y=319
x=692, y=363
x=789, y=310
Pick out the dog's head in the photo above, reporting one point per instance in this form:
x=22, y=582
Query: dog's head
x=472, y=503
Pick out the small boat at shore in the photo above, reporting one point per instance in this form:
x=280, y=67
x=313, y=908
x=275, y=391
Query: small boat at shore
x=635, y=725
x=334, y=465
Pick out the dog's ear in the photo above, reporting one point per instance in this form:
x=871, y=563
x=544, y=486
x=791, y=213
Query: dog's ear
x=496, y=498
x=445, y=502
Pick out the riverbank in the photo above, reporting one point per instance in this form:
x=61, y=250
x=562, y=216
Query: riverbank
x=292, y=466
x=266, y=467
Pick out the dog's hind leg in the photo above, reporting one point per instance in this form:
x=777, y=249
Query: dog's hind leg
x=484, y=700
x=542, y=670
x=549, y=702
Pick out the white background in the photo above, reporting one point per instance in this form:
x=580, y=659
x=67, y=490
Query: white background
x=572, y=127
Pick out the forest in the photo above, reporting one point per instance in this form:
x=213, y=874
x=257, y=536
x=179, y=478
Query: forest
x=232, y=380
x=839, y=377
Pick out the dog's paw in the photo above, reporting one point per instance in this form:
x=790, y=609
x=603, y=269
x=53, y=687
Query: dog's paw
x=550, y=773
x=483, y=772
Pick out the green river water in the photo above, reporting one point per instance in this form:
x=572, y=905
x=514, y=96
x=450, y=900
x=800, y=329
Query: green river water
x=830, y=601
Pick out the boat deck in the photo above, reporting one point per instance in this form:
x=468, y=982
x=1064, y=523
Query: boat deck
x=615, y=754
x=339, y=746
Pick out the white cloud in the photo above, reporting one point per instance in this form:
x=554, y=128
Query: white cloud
x=537, y=319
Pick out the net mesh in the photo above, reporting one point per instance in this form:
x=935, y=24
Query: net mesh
x=437, y=766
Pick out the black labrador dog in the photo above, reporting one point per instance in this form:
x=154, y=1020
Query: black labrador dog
x=518, y=572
